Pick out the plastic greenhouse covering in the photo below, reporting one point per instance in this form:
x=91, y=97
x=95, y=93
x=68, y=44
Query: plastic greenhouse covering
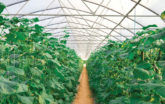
x=90, y=22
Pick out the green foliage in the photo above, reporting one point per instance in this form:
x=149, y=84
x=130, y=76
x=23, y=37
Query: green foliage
x=2, y=7
x=163, y=15
x=130, y=72
x=35, y=69
x=144, y=28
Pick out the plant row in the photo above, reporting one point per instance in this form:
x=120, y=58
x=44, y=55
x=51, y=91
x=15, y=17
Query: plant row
x=130, y=72
x=34, y=68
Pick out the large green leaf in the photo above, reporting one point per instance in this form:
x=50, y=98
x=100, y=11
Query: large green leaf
x=69, y=84
x=144, y=65
x=151, y=85
x=119, y=100
x=146, y=27
x=141, y=73
x=59, y=74
x=160, y=35
x=36, y=72
x=55, y=61
x=35, y=19
x=54, y=83
x=161, y=63
x=20, y=35
x=12, y=69
x=149, y=41
x=11, y=87
x=161, y=91
x=44, y=97
x=163, y=15
x=26, y=99
x=47, y=55
x=2, y=7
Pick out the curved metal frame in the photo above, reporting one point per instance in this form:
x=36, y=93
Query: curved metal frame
x=99, y=34
x=92, y=3
x=121, y=20
x=86, y=19
x=113, y=11
x=79, y=32
x=85, y=25
x=17, y=3
x=84, y=12
x=85, y=33
x=89, y=12
x=91, y=31
x=94, y=22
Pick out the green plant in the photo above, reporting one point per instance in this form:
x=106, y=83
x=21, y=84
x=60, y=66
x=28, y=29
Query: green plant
x=35, y=69
x=130, y=72
x=163, y=15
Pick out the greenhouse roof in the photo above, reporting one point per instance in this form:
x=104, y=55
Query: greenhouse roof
x=90, y=22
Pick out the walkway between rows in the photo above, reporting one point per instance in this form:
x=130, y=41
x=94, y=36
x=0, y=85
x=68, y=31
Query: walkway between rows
x=84, y=95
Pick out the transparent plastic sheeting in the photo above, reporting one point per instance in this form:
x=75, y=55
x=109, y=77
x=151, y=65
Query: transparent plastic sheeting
x=89, y=21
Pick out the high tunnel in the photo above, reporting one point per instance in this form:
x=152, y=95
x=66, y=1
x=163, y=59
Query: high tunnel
x=82, y=51
x=91, y=23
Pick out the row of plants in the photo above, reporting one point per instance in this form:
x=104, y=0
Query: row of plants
x=130, y=72
x=34, y=68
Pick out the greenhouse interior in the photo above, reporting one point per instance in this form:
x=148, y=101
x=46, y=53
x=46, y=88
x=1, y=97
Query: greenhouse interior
x=82, y=51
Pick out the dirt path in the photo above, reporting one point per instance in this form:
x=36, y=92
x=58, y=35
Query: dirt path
x=84, y=95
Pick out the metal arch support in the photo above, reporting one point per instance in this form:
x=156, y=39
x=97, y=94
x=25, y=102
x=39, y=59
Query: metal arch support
x=16, y=3
x=95, y=28
x=93, y=3
x=114, y=11
x=49, y=18
x=65, y=16
x=87, y=6
x=63, y=23
x=94, y=21
x=97, y=4
x=102, y=17
x=121, y=21
x=84, y=12
x=82, y=32
x=77, y=12
x=89, y=30
x=97, y=33
x=22, y=7
x=88, y=26
x=81, y=15
x=148, y=9
x=75, y=32
x=86, y=35
x=77, y=17
x=82, y=35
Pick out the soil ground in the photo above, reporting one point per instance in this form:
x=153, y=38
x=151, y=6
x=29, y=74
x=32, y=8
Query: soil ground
x=84, y=95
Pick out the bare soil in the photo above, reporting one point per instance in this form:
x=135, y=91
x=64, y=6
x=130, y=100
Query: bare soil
x=84, y=95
